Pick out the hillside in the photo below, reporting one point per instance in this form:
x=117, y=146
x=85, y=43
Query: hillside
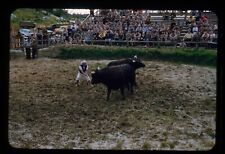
x=40, y=16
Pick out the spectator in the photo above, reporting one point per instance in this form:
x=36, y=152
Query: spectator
x=173, y=36
x=205, y=36
x=34, y=46
x=197, y=16
x=27, y=46
x=190, y=20
x=195, y=29
x=213, y=37
x=92, y=12
x=188, y=36
x=215, y=28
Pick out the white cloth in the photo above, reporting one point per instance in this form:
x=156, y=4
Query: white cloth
x=80, y=75
x=84, y=76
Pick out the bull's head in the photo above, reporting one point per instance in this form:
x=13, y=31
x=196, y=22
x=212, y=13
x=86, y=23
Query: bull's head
x=137, y=64
x=95, y=76
x=135, y=59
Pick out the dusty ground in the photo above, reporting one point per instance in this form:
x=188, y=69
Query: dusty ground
x=173, y=108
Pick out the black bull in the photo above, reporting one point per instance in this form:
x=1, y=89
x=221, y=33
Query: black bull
x=130, y=61
x=117, y=77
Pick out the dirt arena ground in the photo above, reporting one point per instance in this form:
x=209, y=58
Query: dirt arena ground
x=173, y=108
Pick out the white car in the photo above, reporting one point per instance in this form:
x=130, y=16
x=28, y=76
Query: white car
x=25, y=32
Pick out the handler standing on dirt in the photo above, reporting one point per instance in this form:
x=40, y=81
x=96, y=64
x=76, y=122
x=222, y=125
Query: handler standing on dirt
x=34, y=44
x=82, y=72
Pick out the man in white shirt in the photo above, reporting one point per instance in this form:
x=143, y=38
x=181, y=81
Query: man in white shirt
x=82, y=72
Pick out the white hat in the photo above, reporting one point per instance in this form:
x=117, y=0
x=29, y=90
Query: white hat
x=83, y=62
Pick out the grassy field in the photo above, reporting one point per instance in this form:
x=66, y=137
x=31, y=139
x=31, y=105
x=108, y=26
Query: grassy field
x=173, y=107
x=196, y=56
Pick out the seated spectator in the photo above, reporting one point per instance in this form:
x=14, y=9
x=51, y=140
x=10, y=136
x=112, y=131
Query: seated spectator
x=116, y=35
x=154, y=36
x=173, y=36
x=213, y=36
x=195, y=29
x=205, y=36
x=137, y=36
x=215, y=28
x=195, y=36
x=188, y=36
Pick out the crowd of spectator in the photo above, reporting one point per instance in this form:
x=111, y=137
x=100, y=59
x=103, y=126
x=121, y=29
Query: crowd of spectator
x=135, y=25
x=199, y=28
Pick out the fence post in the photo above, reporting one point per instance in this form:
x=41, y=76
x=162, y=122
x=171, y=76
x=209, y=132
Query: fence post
x=48, y=40
x=42, y=41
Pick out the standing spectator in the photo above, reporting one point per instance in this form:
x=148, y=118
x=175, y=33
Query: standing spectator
x=92, y=12
x=34, y=47
x=197, y=16
x=27, y=45
x=190, y=20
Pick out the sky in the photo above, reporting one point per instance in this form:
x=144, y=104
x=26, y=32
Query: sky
x=78, y=11
x=82, y=11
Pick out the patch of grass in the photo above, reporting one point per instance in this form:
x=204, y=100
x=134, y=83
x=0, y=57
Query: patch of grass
x=210, y=132
x=209, y=104
x=119, y=145
x=27, y=145
x=190, y=56
x=146, y=146
x=87, y=146
x=192, y=135
x=69, y=145
x=172, y=144
x=209, y=144
x=164, y=145
x=165, y=134
x=14, y=55
x=126, y=121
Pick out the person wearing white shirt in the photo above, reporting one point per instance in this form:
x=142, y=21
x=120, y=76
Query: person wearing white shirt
x=82, y=72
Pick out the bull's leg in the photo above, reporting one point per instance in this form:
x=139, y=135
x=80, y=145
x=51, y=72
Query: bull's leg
x=108, y=93
x=132, y=83
x=131, y=88
x=128, y=86
x=34, y=52
x=122, y=92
